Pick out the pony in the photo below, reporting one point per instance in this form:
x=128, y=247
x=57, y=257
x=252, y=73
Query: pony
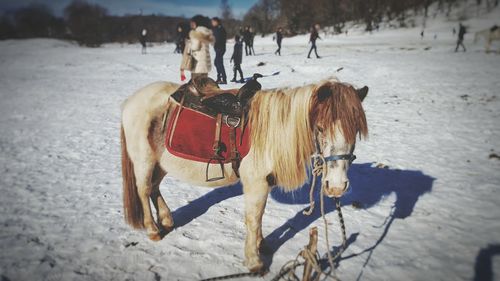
x=489, y=35
x=288, y=126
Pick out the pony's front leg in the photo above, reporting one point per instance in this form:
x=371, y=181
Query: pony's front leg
x=255, y=191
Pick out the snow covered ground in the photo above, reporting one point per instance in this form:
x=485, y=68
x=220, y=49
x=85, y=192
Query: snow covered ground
x=433, y=214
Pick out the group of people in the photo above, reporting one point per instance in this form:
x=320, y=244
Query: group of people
x=314, y=35
x=248, y=36
x=195, y=48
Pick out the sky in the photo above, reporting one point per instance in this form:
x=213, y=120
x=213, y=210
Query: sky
x=185, y=8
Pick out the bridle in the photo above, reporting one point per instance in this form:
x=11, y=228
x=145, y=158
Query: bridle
x=318, y=155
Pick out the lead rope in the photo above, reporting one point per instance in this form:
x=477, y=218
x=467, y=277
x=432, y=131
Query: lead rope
x=287, y=271
x=318, y=168
x=234, y=276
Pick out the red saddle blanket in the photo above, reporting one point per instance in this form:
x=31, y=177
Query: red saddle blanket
x=193, y=136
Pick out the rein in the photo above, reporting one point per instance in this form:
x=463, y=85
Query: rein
x=319, y=167
x=287, y=272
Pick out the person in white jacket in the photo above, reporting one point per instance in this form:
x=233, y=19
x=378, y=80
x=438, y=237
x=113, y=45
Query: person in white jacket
x=196, y=55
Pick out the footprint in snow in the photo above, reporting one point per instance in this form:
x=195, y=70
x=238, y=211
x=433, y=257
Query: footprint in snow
x=131, y=244
x=494, y=156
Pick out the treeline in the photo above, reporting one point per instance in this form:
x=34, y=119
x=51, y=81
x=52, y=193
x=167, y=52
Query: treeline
x=297, y=16
x=35, y=20
x=88, y=24
x=92, y=25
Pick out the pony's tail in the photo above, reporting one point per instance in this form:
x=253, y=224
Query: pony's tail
x=132, y=208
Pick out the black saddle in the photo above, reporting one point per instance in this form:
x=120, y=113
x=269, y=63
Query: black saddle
x=204, y=95
x=225, y=103
x=235, y=105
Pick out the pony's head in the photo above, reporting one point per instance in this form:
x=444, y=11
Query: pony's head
x=290, y=125
x=337, y=118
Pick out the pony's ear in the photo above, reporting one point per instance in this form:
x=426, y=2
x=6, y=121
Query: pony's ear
x=362, y=92
x=324, y=92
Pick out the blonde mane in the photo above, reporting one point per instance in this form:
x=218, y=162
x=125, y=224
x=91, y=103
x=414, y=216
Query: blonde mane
x=282, y=124
x=279, y=120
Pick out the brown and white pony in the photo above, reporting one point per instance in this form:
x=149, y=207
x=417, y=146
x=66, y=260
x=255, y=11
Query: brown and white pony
x=489, y=36
x=285, y=123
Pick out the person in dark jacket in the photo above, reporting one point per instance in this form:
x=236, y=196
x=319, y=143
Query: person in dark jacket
x=220, y=49
x=246, y=39
x=180, y=39
x=279, y=38
x=461, y=33
x=312, y=39
x=237, y=58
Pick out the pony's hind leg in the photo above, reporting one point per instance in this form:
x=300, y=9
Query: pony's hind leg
x=163, y=214
x=145, y=190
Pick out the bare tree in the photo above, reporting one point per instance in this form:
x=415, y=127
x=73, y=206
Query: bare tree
x=85, y=22
x=37, y=20
x=226, y=11
x=7, y=28
x=263, y=16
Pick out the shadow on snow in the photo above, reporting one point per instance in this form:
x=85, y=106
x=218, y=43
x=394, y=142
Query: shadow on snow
x=368, y=186
x=483, y=270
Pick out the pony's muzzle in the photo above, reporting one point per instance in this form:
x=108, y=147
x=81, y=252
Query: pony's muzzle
x=336, y=191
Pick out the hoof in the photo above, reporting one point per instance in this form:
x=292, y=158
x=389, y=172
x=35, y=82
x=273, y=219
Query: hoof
x=164, y=230
x=167, y=229
x=254, y=265
x=167, y=225
x=155, y=236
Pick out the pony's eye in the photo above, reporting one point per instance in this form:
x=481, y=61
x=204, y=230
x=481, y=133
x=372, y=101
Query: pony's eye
x=320, y=129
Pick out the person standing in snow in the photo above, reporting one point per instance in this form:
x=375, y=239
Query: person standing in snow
x=143, y=41
x=246, y=39
x=196, y=56
x=180, y=40
x=251, y=38
x=279, y=38
x=220, y=49
x=461, y=34
x=312, y=39
x=237, y=58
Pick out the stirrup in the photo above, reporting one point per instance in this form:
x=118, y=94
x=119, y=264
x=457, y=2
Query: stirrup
x=215, y=159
